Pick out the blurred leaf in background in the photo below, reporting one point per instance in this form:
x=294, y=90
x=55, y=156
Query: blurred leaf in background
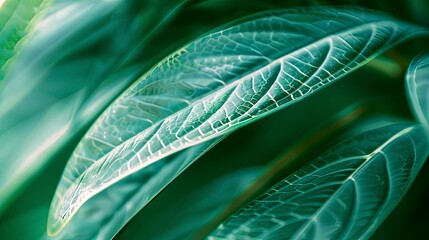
x=80, y=56
x=17, y=19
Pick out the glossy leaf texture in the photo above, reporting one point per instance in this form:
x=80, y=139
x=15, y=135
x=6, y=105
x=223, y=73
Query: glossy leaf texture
x=78, y=59
x=344, y=194
x=417, y=85
x=17, y=19
x=218, y=83
x=105, y=214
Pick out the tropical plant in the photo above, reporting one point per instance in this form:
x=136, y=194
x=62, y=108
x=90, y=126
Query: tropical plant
x=192, y=119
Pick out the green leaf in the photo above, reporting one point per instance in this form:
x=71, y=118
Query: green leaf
x=344, y=194
x=218, y=83
x=70, y=69
x=417, y=85
x=102, y=216
x=136, y=192
x=17, y=19
x=105, y=214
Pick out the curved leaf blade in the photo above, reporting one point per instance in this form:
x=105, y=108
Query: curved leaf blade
x=105, y=214
x=70, y=69
x=221, y=82
x=117, y=199
x=417, y=84
x=344, y=194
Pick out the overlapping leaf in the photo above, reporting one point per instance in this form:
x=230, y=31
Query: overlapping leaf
x=417, y=83
x=218, y=83
x=344, y=194
x=124, y=199
x=79, y=58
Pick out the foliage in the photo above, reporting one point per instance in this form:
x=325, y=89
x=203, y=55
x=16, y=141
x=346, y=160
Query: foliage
x=210, y=119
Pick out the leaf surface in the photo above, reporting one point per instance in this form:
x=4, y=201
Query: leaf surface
x=417, y=84
x=105, y=214
x=218, y=83
x=344, y=194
